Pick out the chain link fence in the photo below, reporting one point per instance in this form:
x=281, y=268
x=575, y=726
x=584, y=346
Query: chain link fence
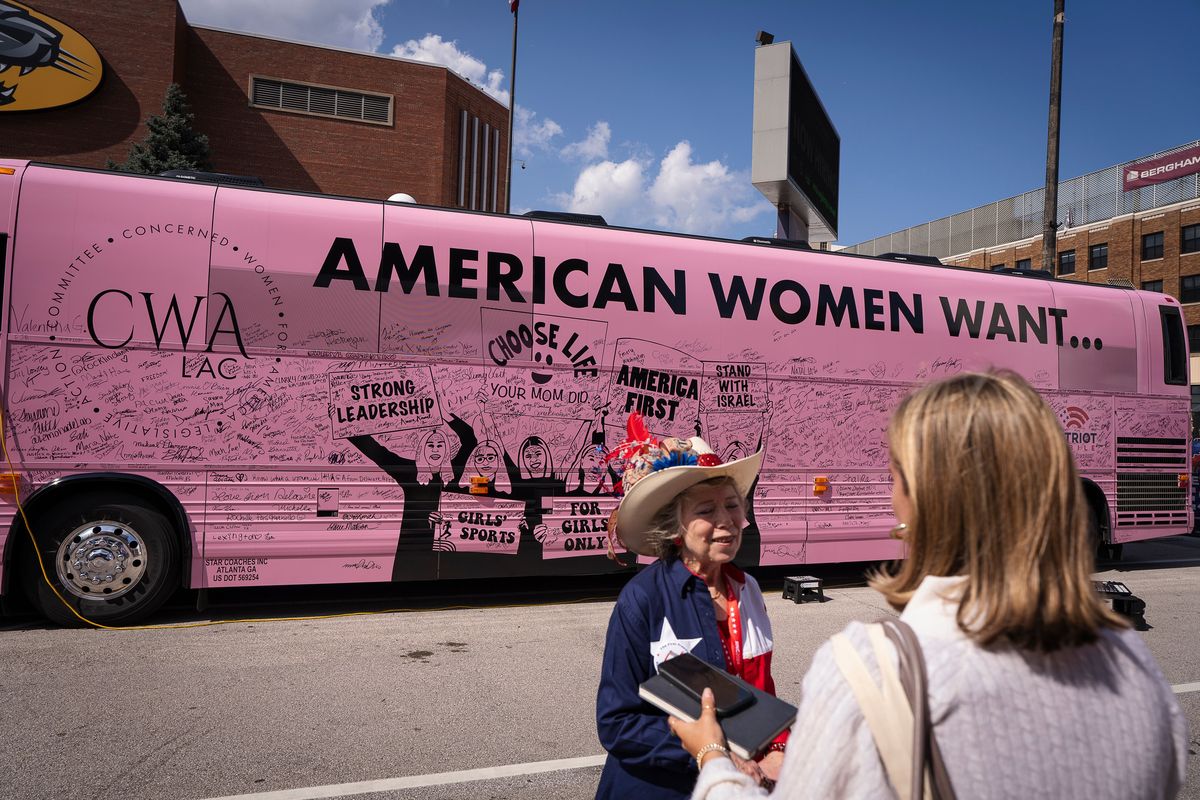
x=1089, y=198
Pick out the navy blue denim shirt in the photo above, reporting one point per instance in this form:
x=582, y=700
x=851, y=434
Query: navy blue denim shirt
x=663, y=611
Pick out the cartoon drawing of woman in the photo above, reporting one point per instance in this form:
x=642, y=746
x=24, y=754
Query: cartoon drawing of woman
x=750, y=553
x=531, y=477
x=532, y=481
x=591, y=474
x=484, y=461
x=432, y=457
x=423, y=479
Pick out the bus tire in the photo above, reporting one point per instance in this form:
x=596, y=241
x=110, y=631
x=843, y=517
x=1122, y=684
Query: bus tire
x=1102, y=550
x=1095, y=540
x=114, y=563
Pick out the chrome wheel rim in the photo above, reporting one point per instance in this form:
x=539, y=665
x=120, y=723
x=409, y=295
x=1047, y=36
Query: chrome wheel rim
x=101, y=560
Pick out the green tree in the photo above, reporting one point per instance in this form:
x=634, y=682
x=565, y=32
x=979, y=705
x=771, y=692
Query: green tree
x=171, y=142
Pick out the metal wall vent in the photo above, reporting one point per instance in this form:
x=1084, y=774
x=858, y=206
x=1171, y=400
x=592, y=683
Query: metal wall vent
x=323, y=101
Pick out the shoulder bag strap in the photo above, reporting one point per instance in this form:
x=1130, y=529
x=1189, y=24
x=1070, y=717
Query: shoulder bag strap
x=929, y=775
x=885, y=709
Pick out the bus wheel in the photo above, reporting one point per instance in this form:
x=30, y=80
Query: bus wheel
x=113, y=563
x=1101, y=550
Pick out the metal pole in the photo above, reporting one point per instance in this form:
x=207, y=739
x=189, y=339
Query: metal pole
x=512, y=112
x=1050, y=212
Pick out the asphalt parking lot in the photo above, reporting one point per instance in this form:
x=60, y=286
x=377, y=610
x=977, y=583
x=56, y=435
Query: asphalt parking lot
x=491, y=700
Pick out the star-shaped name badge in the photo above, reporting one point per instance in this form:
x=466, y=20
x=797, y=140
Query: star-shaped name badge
x=669, y=645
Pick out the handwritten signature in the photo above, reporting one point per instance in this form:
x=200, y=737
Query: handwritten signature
x=362, y=563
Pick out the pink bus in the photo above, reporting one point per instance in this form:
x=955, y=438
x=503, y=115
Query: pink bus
x=210, y=385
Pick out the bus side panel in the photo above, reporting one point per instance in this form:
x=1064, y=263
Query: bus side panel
x=100, y=264
x=475, y=333
x=659, y=349
x=91, y=246
x=286, y=504
x=915, y=325
x=771, y=348
x=1089, y=425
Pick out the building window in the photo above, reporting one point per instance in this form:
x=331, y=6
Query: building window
x=1066, y=262
x=1098, y=256
x=1024, y=264
x=1193, y=338
x=1189, y=289
x=1152, y=286
x=1152, y=246
x=996, y=267
x=321, y=101
x=1189, y=239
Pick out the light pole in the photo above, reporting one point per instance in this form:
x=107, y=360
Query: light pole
x=1050, y=212
x=512, y=109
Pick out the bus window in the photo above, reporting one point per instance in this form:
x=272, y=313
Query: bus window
x=1174, y=349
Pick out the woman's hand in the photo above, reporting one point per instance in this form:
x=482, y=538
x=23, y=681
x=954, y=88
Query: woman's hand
x=771, y=765
x=750, y=768
x=706, y=730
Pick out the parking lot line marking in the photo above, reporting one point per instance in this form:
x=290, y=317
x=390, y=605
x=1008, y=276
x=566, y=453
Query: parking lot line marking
x=466, y=775
x=417, y=781
x=1134, y=566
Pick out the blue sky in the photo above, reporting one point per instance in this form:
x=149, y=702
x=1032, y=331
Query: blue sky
x=641, y=110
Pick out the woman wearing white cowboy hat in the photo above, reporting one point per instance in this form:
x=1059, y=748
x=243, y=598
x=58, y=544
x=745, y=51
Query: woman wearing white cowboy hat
x=687, y=508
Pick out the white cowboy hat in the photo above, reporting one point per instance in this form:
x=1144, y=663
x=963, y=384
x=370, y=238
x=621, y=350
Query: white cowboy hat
x=652, y=492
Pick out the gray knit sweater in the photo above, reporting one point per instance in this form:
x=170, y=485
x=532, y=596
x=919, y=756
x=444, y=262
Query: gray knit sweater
x=1090, y=722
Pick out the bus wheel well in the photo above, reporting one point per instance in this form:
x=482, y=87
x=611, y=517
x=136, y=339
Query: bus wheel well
x=1098, y=506
x=136, y=490
x=1100, y=523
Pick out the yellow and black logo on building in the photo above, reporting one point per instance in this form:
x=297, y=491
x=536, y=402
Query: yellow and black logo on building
x=43, y=63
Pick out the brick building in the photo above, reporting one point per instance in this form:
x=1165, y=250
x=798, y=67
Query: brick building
x=1147, y=237
x=298, y=116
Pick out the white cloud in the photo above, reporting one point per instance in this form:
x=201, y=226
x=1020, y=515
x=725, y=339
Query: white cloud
x=594, y=146
x=701, y=197
x=682, y=196
x=615, y=191
x=433, y=49
x=530, y=135
x=346, y=23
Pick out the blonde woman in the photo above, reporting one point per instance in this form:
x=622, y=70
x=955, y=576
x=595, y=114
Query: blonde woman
x=1035, y=688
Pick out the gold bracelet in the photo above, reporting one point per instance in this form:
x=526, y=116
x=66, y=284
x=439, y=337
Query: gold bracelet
x=711, y=747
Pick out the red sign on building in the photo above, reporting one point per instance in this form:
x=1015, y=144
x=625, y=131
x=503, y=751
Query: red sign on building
x=1159, y=170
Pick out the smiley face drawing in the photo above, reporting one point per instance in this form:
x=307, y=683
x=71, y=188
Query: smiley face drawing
x=542, y=378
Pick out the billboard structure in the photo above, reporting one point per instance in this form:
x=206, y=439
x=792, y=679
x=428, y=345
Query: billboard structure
x=795, y=148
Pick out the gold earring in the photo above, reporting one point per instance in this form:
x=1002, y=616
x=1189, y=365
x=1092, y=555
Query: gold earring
x=898, y=531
